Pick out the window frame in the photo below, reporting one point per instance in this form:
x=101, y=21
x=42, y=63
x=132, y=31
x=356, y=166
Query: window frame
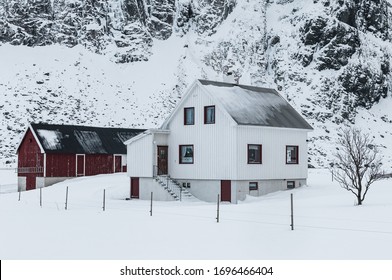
x=296, y=154
x=186, y=109
x=193, y=154
x=260, y=153
x=256, y=188
x=205, y=114
x=289, y=183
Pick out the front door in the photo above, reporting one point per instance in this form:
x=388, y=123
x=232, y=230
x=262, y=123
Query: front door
x=134, y=187
x=226, y=190
x=162, y=160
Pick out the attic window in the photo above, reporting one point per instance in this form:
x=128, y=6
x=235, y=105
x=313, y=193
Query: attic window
x=189, y=116
x=30, y=140
x=209, y=114
x=291, y=154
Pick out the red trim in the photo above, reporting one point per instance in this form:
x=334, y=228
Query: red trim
x=260, y=154
x=205, y=114
x=296, y=152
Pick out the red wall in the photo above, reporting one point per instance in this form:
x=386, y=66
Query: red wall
x=64, y=165
x=29, y=155
x=60, y=165
x=99, y=164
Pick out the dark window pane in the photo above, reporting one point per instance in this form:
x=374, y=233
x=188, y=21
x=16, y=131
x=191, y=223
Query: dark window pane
x=291, y=154
x=254, y=153
x=209, y=114
x=253, y=186
x=186, y=153
x=290, y=184
x=189, y=116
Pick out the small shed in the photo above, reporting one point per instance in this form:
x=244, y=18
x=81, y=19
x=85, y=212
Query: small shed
x=51, y=153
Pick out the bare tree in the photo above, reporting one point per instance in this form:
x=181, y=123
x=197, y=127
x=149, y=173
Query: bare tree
x=358, y=163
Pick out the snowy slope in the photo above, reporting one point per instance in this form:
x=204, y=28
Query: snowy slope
x=331, y=59
x=327, y=225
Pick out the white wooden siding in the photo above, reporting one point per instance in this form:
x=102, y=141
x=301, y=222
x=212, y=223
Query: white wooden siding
x=273, y=141
x=140, y=156
x=214, y=144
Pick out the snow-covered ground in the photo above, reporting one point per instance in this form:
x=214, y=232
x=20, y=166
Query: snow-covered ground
x=327, y=224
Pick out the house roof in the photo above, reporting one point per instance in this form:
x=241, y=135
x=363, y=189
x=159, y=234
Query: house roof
x=82, y=139
x=249, y=105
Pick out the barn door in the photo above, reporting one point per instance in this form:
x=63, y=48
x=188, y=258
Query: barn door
x=226, y=190
x=117, y=163
x=162, y=160
x=134, y=187
x=80, y=165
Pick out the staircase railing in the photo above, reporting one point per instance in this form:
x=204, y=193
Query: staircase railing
x=167, y=183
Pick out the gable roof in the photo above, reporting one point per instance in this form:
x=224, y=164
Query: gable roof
x=249, y=105
x=82, y=139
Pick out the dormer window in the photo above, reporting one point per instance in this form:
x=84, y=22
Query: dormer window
x=189, y=116
x=209, y=114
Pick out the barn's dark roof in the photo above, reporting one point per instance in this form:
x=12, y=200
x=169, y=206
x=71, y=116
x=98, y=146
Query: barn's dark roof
x=83, y=139
x=249, y=105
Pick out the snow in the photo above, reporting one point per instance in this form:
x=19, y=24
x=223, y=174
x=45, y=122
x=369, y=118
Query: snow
x=90, y=142
x=51, y=139
x=327, y=225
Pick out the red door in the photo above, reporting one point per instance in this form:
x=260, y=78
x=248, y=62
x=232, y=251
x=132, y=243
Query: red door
x=226, y=190
x=117, y=164
x=162, y=160
x=80, y=168
x=30, y=182
x=134, y=187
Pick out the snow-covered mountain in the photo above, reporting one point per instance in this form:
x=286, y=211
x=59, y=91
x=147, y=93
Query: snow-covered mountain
x=127, y=62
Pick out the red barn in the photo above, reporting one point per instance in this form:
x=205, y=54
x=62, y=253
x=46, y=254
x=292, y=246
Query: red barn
x=49, y=153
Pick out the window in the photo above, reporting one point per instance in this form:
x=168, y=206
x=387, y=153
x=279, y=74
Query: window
x=254, y=154
x=186, y=154
x=209, y=114
x=291, y=154
x=253, y=186
x=189, y=116
x=290, y=184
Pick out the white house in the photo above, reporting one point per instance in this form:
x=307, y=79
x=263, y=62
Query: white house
x=221, y=139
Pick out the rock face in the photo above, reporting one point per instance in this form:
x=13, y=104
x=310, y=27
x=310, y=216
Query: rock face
x=129, y=25
x=331, y=58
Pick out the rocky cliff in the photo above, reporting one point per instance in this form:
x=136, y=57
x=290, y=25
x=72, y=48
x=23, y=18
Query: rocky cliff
x=330, y=58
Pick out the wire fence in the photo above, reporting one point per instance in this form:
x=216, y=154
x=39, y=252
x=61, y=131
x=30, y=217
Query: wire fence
x=282, y=218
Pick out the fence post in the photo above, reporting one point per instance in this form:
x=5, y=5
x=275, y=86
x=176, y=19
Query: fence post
x=19, y=194
x=104, y=197
x=332, y=175
x=292, y=212
x=66, y=199
x=217, y=210
x=151, y=205
x=180, y=193
x=40, y=196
